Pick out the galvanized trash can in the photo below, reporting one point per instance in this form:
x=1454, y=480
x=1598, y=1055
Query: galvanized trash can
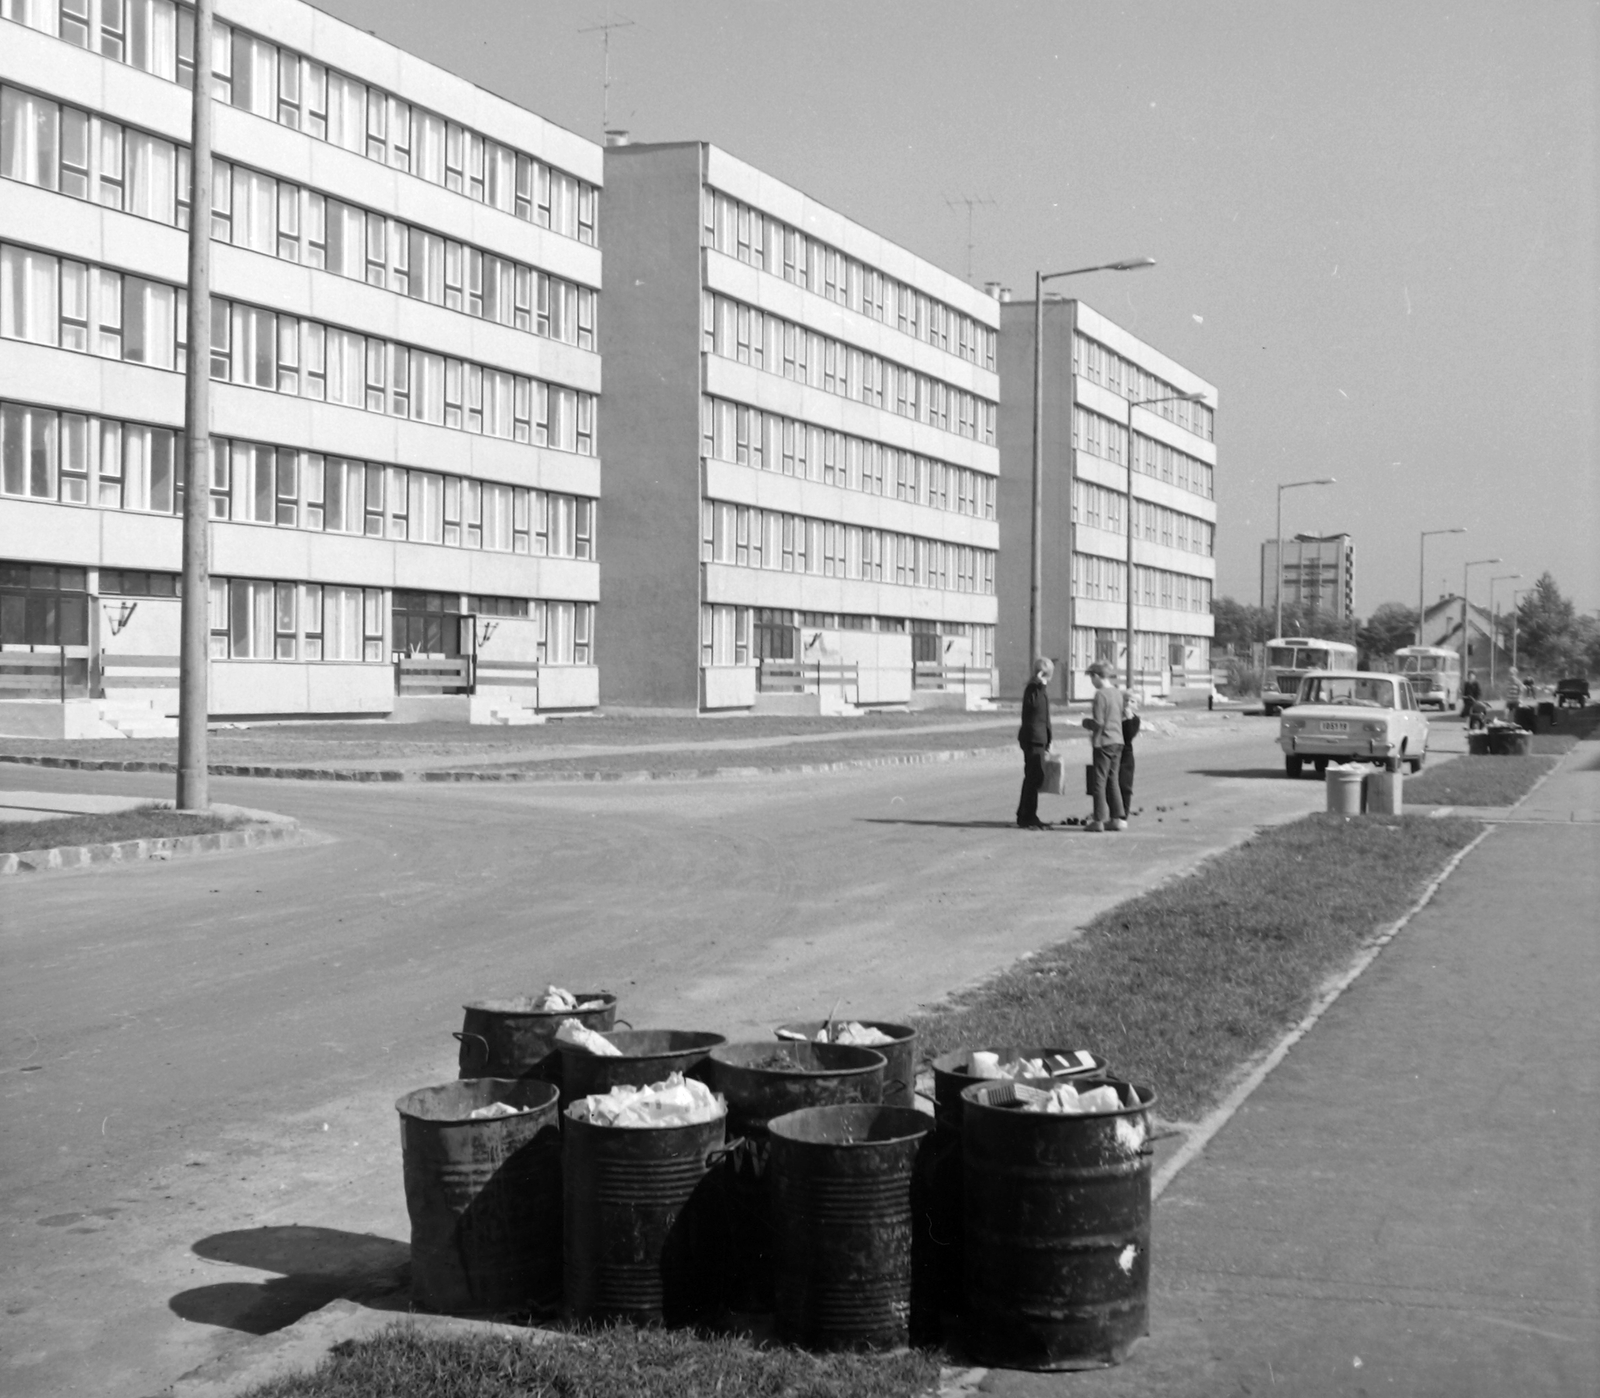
x=844, y=1181
x=640, y=1206
x=899, y=1077
x=1510, y=742
x=761, y=1082
x=1344, y=790
x=1384, y=793
x=1057, y=1230
x=484, y=1197
x=647, y=1056
x=500, y=1039
x=950, y=1079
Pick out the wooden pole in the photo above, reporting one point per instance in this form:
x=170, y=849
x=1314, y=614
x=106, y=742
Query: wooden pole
x=194, y=644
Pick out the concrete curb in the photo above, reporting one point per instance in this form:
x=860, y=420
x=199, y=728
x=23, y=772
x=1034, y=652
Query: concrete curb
x=468, y=774
x=269, y=830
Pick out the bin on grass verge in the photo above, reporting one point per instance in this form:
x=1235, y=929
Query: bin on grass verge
x=1384, y=793
x=899, y=1077
x=1344, y=789
x=1057, y=1231
x=950, y=1079
x=640, y=1245
x=759, y=1087
x=647, y=1056
x=850, y=1272
x=1478, y=744
x=484, y=1197
x=1510, y=742
x=500, y=1040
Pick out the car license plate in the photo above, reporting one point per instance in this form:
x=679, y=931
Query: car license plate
x=1335, y=727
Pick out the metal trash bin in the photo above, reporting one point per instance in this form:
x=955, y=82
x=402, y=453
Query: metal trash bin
x=899, y=1078
x=1057, y=1230
x=499, y=1039
x=1478, y=744
x=1384, y=793
x=1344, y=789
x=850, y=1268
x=484, y=1197
x=646, y=1056
x=1510, y=742
x=640, y=1242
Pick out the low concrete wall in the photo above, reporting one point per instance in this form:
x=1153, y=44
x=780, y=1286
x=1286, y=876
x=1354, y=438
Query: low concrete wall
x=728, y=686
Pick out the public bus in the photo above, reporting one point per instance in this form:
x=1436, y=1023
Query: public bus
x=1288, y=660
x=1435, y=674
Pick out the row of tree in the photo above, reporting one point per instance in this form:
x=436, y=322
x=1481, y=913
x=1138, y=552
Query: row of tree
x=1553, y=639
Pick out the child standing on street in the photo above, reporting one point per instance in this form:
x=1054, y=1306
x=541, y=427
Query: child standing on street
x=1105, y=738
x=1130, y=730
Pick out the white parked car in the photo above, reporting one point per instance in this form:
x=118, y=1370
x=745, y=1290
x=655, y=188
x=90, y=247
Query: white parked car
x=1353, y=716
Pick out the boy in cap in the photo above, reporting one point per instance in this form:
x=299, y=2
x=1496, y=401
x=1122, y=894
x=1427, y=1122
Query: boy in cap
x=1105, y=738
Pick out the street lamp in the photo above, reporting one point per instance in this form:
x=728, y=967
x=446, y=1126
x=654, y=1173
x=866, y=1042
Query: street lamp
x=1035, y=614
x=1128, y=581
x=1465, y=568
x=1422, y=586
x=1278, y=558
x=1515, y=620
x=1494, y=628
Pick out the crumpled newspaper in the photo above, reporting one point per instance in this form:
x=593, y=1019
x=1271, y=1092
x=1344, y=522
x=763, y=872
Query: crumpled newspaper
x=555, y=998
x=573, y=1031
x=1065, y=1100
x=494, y=1109
x=678, y=1101
x=853, y=1032
x=988, y=1065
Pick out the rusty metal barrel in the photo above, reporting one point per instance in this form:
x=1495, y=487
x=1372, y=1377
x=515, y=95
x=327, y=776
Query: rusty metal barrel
x=761, y=1082
x=843, y=1208
x=507, y=1039
x=484, y=1197
x=1057, y=1237
x=641, y=1244
x=899, y=1077
x=646, y=1056
x=951, y=1077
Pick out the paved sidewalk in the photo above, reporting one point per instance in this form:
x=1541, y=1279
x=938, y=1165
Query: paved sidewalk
x=1408, y=1204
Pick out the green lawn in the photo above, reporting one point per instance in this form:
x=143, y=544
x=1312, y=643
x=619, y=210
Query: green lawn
x=141, y=823
x=1478, y=781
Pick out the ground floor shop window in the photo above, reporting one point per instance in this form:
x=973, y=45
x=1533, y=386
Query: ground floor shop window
x=43, y=605
x=427, y=624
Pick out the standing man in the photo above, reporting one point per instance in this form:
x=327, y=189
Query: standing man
x=1034, y=737
x=1471, y=692
x=1105, y=737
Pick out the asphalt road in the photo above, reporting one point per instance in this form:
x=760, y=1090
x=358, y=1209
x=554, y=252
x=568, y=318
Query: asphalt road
x=198, y=1060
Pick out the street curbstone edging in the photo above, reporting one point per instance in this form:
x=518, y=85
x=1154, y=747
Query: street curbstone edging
x=274, y=831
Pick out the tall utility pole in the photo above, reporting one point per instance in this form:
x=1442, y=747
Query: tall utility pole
x=195, y=638
x=605, y=97
x=971, y=206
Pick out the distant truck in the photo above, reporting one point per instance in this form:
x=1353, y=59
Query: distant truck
x=1574, y=690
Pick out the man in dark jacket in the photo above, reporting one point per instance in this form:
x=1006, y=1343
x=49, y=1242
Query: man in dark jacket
x=1034, y=738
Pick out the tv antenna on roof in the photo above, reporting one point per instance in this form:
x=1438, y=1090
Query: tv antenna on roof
x=971, y=206
x=605, y=29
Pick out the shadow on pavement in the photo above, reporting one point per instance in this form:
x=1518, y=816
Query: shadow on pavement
x=944, y=824
x=1251, y=772
x=318, y=1265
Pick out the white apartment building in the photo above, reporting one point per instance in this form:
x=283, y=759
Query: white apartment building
x=1096, y=375
x=1318, y=574
x=800, y=448
x=405, y=283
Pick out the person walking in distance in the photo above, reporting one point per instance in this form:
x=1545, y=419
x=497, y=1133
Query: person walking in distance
x=1105, y=738
x=1034, y=737
x=1130, y=730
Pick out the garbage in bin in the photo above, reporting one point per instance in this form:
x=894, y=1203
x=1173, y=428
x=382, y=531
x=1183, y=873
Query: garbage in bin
x=896, y=1042
x=676, y=1101
x=579, y=1035
x=642, y=1056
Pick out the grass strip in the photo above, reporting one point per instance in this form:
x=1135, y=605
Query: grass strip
x=1181, y=986
x=1477, y=781
x=612, y=1363
x=141, y=823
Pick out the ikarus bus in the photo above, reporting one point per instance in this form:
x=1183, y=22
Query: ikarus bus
x=1435, y=674
x=1290, y=657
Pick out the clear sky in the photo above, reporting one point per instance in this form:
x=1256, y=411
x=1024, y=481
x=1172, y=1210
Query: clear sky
x=1375, y=223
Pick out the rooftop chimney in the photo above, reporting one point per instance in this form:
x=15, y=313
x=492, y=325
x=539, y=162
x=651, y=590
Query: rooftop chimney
x=1005, y=293
x=992, y=289
x=616, y=136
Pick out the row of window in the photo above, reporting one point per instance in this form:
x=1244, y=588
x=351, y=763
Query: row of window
x=1153, y=650
x=1095, y=507
x=734, y=228
x=748, y=537
x=1093, y=361
x=78, y=459
x=282, y=219
x=91, y=157
x=732, y=330
x=74, y=305
x=750, y=437
x=1097, y=579
x=1100, y=436
x=292, y=90
x=731, y=635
